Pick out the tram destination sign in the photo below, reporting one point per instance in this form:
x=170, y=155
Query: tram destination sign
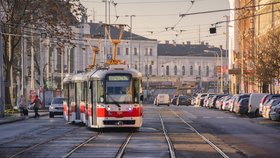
x=118, y=78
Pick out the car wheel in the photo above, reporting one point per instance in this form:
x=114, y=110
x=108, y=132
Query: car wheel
x=51, y=115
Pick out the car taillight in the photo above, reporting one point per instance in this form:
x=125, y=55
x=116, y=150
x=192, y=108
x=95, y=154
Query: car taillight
x=263, y=99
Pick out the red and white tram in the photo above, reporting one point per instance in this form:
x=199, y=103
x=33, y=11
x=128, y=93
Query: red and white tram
x=104, y=97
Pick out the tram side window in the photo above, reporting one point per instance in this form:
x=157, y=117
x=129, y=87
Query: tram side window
x=71, y=92
x=65, y=90
x=79, y=91
x=100, y=92
x=91, y=92
x=136, y=90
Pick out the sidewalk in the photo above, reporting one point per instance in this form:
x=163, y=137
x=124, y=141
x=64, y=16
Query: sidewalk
x=16, y=117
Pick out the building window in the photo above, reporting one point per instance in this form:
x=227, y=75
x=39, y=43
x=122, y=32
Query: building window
x=146, y=69
x=199, y=70
x=151, y=52
x=146, y=51
x=126, y=51
x=118, y=51
x=135, y=51
x=207, y=71
x=175, y=70
x=167, y=70
x=183, y=71
x=150, y=70
x=191, y=70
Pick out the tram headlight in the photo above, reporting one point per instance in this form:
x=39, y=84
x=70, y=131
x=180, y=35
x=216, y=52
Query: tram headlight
x=130, y=108
x=109, y=109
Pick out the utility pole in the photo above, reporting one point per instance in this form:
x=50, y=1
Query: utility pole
x=130, y=63
x=32, y=59
x=62, y=67
x=2, y=106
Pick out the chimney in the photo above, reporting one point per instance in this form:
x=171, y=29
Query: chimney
x=202, y=43
x=90, y=21
x=207, y=43
x=183, y=43
x=188, y=42
x=166, y=42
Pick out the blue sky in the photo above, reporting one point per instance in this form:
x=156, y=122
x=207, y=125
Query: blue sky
x=152, y=17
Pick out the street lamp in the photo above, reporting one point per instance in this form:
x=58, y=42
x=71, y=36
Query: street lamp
x=217, y=56
x=130, y=64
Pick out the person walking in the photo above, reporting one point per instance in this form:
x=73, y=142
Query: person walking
x=21, y=105
x=36, y=104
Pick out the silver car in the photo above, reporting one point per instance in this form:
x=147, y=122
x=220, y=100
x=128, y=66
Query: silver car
x=56, y=107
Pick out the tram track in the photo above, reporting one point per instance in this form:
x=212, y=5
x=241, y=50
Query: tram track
x=81, y=145
x=168, y=139
x=224, y=155
x=41, y=143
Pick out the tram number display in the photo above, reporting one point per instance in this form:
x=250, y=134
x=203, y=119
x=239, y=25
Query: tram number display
x=118, y=78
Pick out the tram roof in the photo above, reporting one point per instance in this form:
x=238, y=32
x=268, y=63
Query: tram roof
x=102, y=72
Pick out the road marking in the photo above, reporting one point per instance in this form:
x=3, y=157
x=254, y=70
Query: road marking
x=219, y=117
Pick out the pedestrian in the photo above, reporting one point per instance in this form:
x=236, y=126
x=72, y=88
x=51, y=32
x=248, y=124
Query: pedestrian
x=36, y=104
x=21, y=105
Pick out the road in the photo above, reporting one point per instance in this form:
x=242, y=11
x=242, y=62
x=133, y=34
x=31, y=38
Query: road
x=235, y=136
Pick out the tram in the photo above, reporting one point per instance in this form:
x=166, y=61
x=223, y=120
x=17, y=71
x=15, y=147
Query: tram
x=106, y=96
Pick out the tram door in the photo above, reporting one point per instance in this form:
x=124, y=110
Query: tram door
x=93, y=101
x=78, y=91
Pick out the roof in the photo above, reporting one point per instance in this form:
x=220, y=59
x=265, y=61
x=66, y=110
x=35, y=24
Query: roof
x=188, y=50
x=98, y=29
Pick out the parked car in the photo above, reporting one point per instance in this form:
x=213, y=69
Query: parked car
x=242, y=106
x=254, y=102
x=200, y=98
x=183, y=100
x=174, y=100
x=56, y=107
x=218, y=101
x=265, y=100
x=208, y=99
x=267, y=107
x=231, y=102
x=238, y=98
x=226, y=101
x=275, y=113
x=162, y=99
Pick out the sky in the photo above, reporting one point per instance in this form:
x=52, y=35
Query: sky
x=155, y=19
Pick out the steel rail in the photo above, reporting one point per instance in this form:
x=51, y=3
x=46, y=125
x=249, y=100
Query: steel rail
x=44, y=142
x=169, y=142
x=204, y=138
x=80, y=145
x=123, y=146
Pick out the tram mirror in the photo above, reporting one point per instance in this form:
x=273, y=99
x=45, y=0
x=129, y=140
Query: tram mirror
x=141, y=97
x=101, y=99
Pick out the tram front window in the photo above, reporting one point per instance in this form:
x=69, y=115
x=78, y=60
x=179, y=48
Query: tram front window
x=118, y=89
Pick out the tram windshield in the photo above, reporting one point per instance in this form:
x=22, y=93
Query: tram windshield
x=118, y=89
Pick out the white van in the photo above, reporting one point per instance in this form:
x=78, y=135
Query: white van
x=163, y=99
x=254, y=101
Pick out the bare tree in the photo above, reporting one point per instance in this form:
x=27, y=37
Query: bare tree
x=267, y=59
x=53, y=17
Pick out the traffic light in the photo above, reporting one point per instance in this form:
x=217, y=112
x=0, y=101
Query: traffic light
x=212, y=30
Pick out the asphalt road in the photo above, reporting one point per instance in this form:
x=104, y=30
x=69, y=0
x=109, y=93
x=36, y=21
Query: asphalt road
x=236, y=136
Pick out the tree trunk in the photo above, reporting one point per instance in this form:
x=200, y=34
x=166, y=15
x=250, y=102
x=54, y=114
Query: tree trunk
x=11, y=70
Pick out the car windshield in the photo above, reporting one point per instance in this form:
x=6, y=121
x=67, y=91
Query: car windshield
x=57, y=101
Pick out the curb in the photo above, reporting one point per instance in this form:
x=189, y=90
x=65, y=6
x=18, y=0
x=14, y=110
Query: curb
x=19, y=118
